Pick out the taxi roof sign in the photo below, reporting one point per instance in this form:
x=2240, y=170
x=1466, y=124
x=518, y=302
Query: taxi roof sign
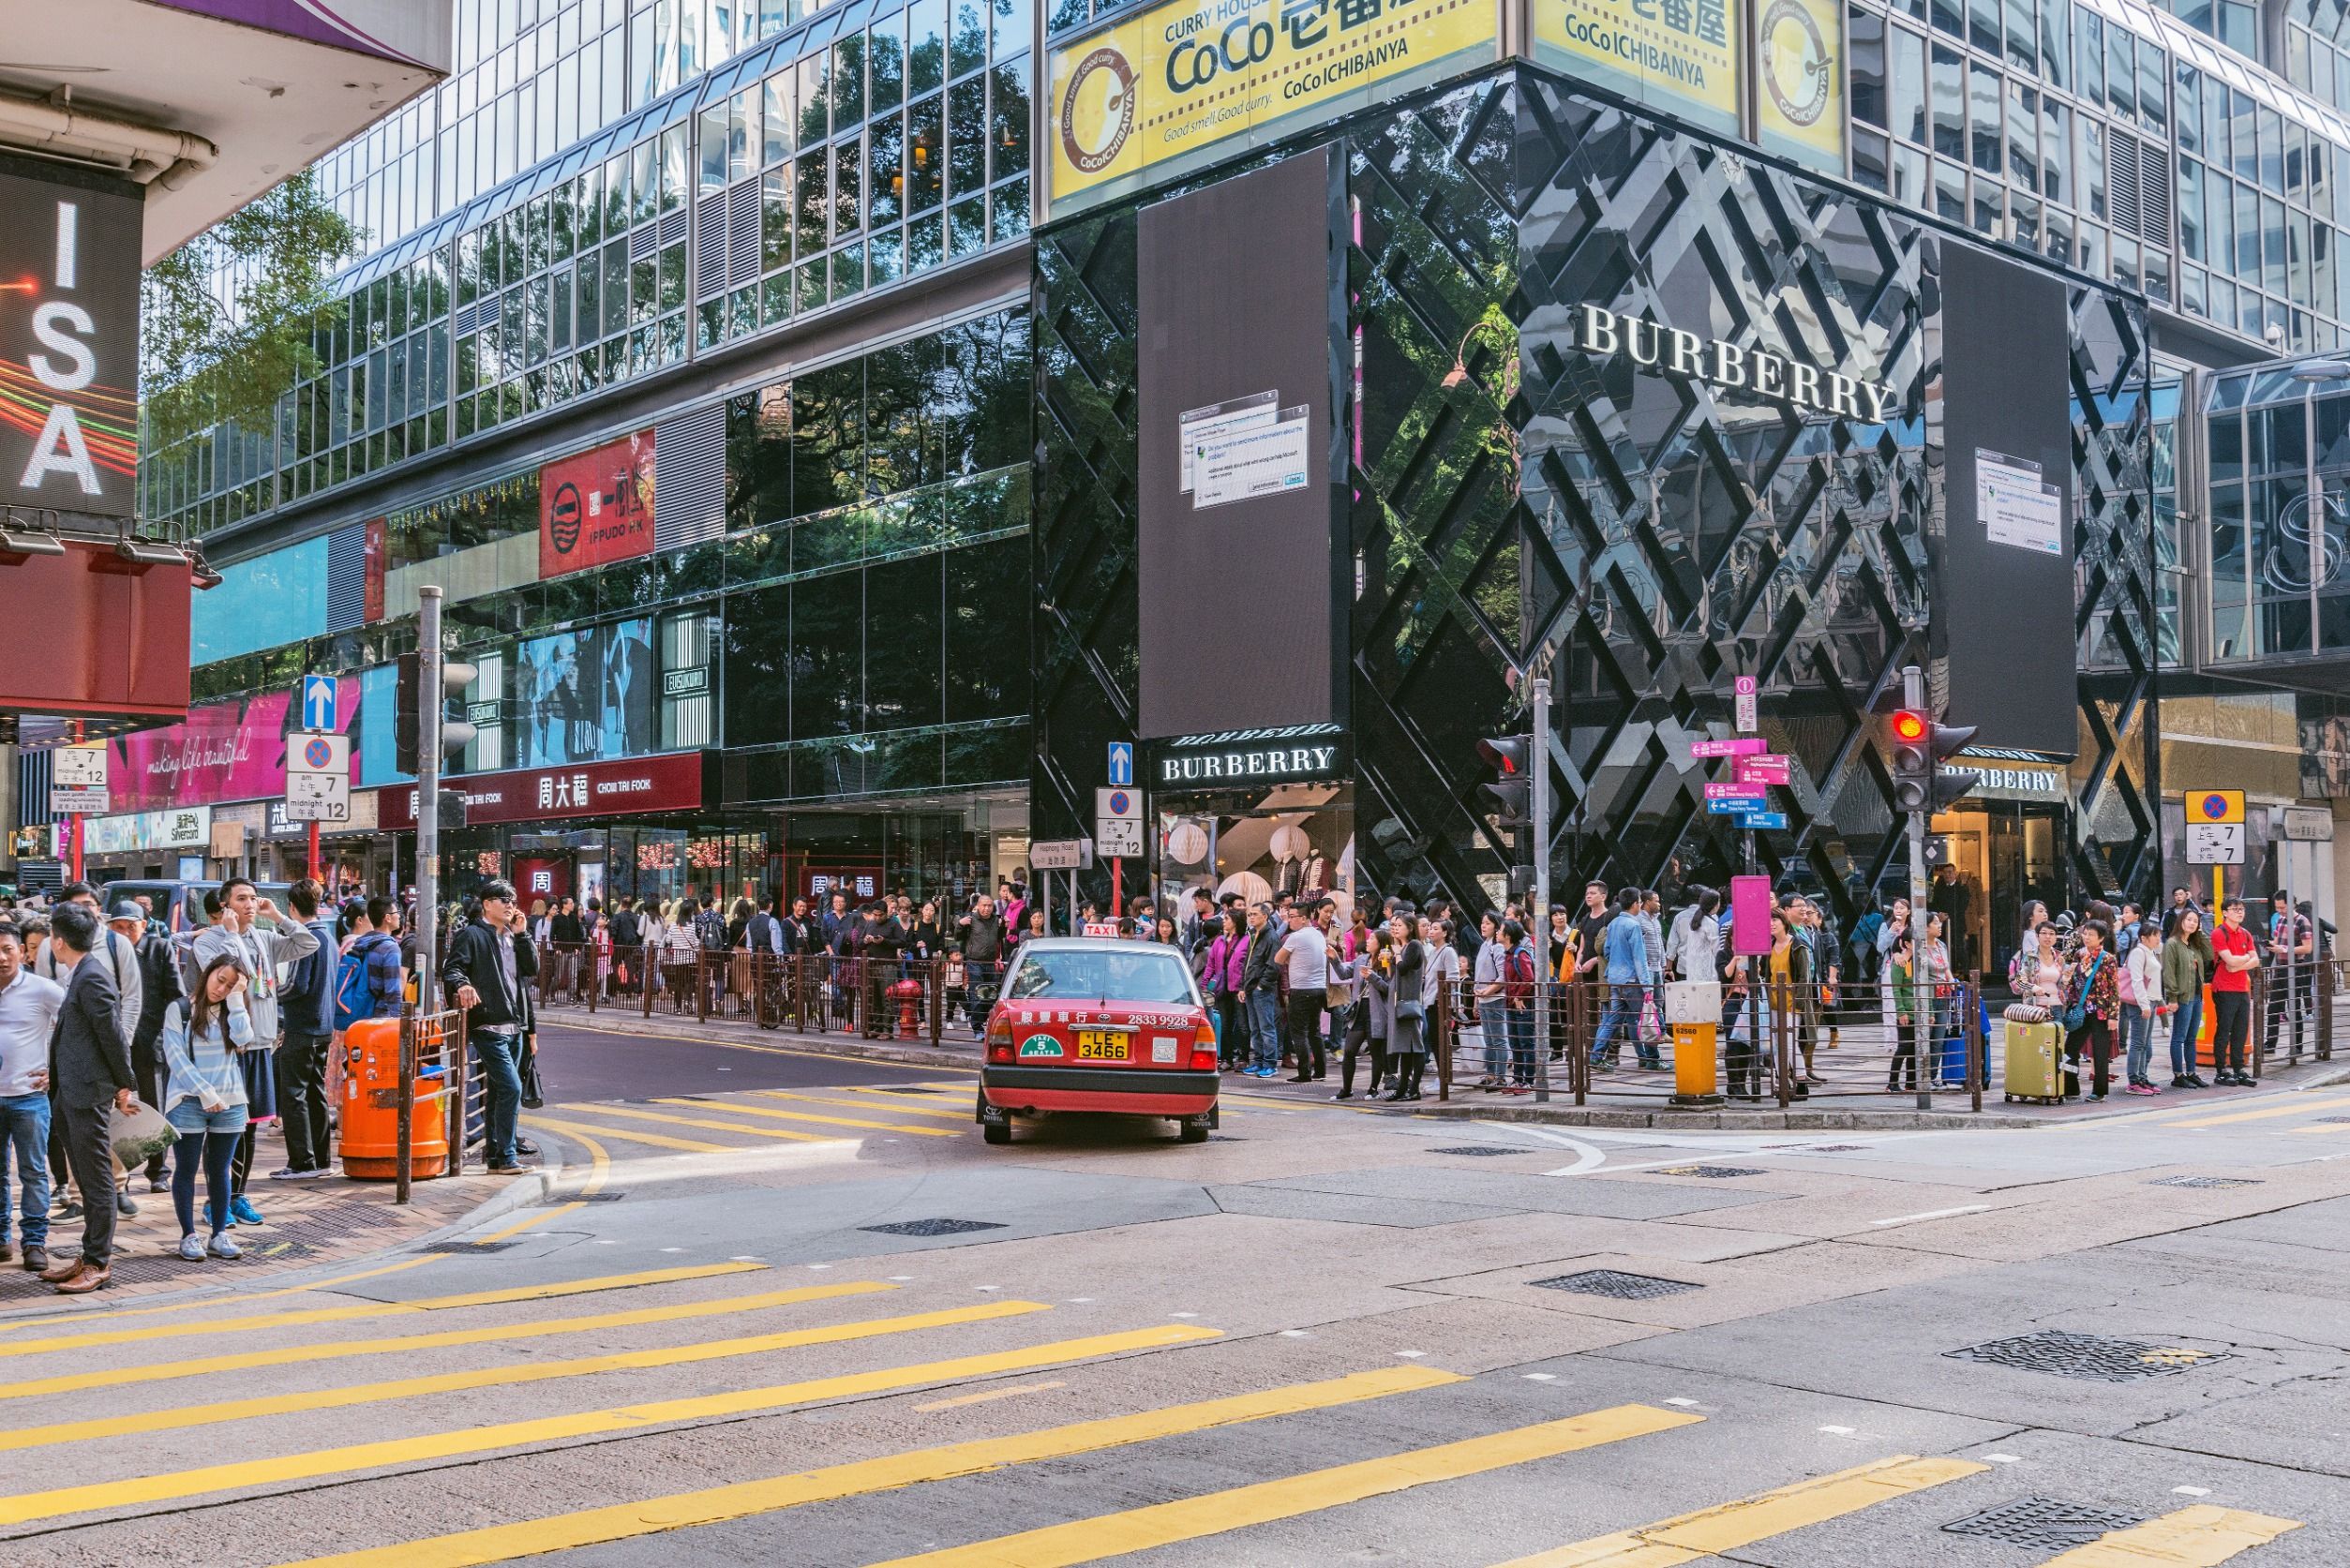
x=2215, y=806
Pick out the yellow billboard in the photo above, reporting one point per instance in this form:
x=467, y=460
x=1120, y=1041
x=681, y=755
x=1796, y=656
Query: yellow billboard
x=1800, y=66
x=1165, y=90
x=1682, y=56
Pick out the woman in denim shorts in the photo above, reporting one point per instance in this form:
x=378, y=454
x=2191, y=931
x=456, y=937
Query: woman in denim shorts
x=203, y=1038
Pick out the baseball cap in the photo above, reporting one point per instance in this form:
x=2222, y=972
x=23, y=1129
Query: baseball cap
x=126, y=910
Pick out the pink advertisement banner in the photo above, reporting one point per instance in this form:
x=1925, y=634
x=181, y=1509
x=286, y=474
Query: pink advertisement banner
x=224, y=751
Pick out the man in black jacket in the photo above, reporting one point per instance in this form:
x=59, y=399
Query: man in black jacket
x=306, y=1003
x=89, y=1068
x=485, y=975
x=159, y=988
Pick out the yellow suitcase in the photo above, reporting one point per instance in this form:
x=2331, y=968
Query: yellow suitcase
x=2035, y=1062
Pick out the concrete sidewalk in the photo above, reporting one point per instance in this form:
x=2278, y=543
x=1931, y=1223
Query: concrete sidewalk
x=304, y=1225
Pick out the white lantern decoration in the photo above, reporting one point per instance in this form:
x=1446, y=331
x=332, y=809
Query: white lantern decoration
x=1252, y=889
x=1188, y=845
x=1291, y=842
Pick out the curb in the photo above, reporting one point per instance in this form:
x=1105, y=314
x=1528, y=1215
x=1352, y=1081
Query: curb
x=818, y=1045
x=1734, y=1121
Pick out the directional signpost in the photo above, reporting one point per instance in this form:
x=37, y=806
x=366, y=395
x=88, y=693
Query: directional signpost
x=318, y=781
x=1122, y=764
x=1117, y=832
x=2215, y=833
x=78, y=788
x=1746, y=691
x=317, y=701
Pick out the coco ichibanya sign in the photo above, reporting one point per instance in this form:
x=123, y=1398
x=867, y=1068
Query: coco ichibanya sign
x=1604, y=332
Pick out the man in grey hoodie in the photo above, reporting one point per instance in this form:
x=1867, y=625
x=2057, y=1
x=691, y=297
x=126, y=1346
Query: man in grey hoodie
x=260, y=951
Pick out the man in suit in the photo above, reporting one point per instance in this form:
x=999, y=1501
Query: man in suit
x=89, y=1062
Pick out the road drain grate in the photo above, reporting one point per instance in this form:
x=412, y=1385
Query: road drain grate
x=2043, y=1523
x=1482, y=1151
x=461, y=1248
x=1711, y=1173
x=1834, y=1148
x=582, y=1198
x=2092, y=1356
x=931, y=1227
x=1617, y=1284
x=2205, y=1181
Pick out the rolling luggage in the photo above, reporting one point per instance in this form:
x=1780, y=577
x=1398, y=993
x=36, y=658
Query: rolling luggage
x=2035, y=1062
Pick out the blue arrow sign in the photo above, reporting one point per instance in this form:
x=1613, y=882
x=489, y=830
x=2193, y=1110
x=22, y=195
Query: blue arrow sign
x=317, y=702
x=1121, y=765
x=1763, y=820
x=1733, y=806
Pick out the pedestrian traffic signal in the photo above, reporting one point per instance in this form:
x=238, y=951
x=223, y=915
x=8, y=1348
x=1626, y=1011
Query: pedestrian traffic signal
x=407, y=719
x=1918, y=746
x=1512, y=788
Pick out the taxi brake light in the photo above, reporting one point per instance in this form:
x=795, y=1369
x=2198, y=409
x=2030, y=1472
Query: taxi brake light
x=1203, y=1061
x=999, y=1051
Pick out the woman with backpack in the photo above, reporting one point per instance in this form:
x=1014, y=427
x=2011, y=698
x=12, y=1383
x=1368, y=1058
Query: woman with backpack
x=2092, y=1003
x=206, y=1037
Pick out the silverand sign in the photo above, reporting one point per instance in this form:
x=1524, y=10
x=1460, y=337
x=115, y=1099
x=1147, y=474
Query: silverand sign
x=1600, y=331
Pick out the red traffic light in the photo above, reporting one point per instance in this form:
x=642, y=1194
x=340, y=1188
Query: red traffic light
x=1506, y=754
x=1910, y=726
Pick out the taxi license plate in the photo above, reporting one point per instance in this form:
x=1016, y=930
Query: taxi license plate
x=1102, y=1045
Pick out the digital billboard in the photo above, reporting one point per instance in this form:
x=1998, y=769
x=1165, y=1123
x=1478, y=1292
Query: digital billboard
x=69, y=249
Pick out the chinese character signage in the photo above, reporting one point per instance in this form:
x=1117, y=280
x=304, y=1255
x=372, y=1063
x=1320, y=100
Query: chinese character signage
x=69, y=249
x=1799, y=66
x=596, y=507
x=1679, y=56
x=1183, y=84
x=672, y=782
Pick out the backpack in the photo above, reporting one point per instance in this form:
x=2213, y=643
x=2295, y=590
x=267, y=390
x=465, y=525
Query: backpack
x=1517, y=984
x=711, y=927
x=354, y=995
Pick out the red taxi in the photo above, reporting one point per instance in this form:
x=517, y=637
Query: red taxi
x=1084, y=1024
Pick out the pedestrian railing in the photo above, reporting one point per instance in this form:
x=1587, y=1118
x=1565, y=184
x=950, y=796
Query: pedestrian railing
x=432, y=1058
x=872, y=996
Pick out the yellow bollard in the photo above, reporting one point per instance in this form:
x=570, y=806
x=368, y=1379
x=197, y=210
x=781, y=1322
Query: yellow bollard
x=1695, y=1072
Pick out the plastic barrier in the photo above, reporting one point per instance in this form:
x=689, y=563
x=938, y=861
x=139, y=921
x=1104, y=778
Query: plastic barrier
x=370, y=1112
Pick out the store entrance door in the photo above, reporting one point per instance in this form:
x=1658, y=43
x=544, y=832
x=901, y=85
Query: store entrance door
x=2005, y=854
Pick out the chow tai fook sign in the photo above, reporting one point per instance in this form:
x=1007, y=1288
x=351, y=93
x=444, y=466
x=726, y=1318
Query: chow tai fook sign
x=1182, y=84
x=1607, y=334
x=69, y=249
x=1238, y=758
x=596, y=506
x=583, y=789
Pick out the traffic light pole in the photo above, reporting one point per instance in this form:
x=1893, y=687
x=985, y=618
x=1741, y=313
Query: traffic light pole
x=428, y=795
x=1540, y=757
x=1921, y=990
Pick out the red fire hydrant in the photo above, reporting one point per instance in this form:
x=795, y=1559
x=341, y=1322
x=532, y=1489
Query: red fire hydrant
x=909, y=994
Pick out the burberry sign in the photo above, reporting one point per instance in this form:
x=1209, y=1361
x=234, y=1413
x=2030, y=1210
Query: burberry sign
x=1600, y=331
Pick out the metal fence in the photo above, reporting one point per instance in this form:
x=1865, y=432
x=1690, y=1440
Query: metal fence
x=432, y=1052
x=813, y=994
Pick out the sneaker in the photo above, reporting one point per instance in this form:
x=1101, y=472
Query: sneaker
x=2195, y=1080
x=225, y=1249
x=2143, y=1089
x=2180, y=1081
x=158, y=1183
x=519, y=1168
x=36, y=1257
x=288, y=1173
x=191, y=1248
x=244, y=1211
x=124, y=1206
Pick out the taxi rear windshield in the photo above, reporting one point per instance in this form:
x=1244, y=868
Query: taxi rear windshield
x=1146, y=975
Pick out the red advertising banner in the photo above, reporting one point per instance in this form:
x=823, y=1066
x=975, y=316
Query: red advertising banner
x=542, y=880
x=590, y=790
x=596, y=507
x=80, y=636
x=372, y=611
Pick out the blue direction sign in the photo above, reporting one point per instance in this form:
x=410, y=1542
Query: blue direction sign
x=1734, y=805
x=1121, y=765
x=317, y=702
x=1763, y=820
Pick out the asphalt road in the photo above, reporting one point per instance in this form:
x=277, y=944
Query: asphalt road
x=785, y=1320
x=607, y=1063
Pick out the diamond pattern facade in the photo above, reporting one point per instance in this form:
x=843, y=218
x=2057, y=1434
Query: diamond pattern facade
x=1522, y=507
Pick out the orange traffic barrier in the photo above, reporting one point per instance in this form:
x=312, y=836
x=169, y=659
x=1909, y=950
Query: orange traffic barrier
x=370, y=1112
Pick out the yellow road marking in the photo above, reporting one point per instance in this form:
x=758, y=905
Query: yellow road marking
x=908, y=1106
x=171, y=1485
x=374, y=1309
x=764, y=1050
x=899, y=1092
x=340, y=1350
x=522, y=1225
x=1669, y=1543
x=599, y=1167
x=499, y=1377
x=2197, y=1537
x=983, y=1396
x=1191, y=1518
x=805, y=1116
x=231, y=1299
x=658, y=1140
x=2296, y=1108
x=629, y=1521
x=631, y=1113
